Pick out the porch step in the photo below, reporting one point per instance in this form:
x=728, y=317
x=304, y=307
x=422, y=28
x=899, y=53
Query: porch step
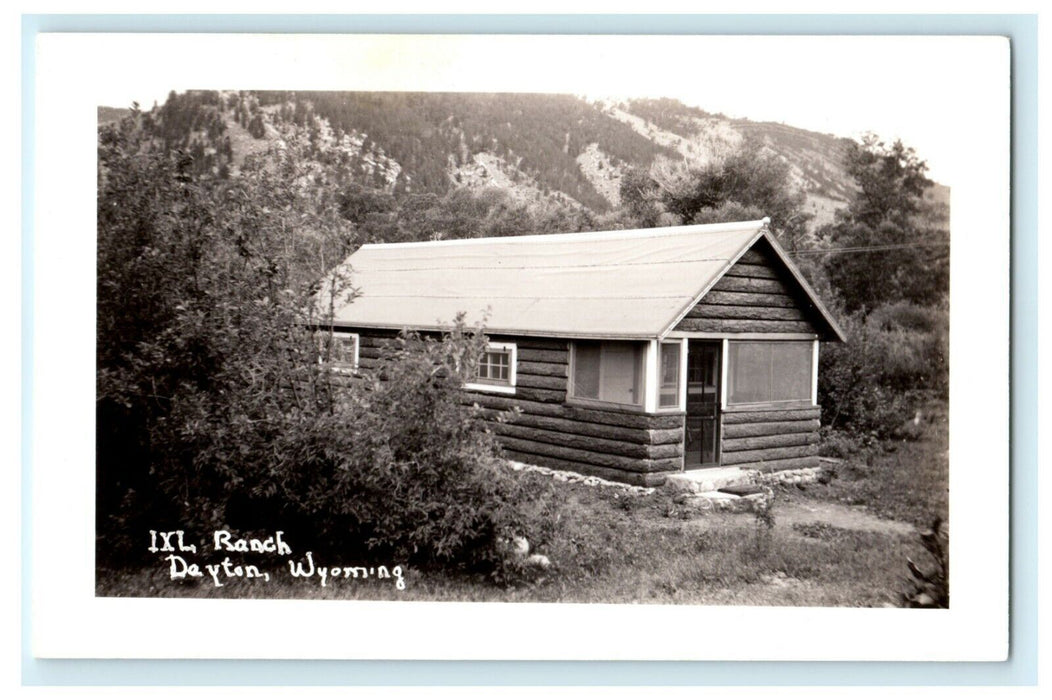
x=723, y=502
x=743, y=490
x=710, y=480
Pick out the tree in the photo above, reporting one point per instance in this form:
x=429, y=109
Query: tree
x=640, y=201
x=749, y=180
x=214, y=406
x=204, y=295
x=904, y=230
x=256, y=128
x=891, y=181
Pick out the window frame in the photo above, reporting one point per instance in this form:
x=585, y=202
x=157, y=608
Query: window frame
x=497, y=386
x=644, y=391
x=681, y=378
x=812, y=374
x=339, y=366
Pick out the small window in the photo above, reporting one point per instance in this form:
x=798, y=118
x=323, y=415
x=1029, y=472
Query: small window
x=496, y=371
x=769, y=372
x=611, y=372
x=495, y=367
x=668, y=391
x=339, y=350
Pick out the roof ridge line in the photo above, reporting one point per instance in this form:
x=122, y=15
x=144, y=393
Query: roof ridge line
x=662, y=231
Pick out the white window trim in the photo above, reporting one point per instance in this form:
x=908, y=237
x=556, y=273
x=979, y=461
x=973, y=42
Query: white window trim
x=681, y=393
x=651, y=371
x=725, y=360
x=339, y=366
x=513, y=362
x=814, y=374
x=683, y=371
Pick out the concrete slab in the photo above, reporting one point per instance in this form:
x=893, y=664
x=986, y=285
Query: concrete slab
x=707, y=480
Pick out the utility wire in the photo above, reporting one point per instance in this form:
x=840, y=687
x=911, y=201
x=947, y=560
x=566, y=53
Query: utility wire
x=863, y=249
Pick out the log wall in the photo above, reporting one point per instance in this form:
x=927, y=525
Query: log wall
x=621, y=445
x=771, y=440
x=616, y=444
x=757, y=295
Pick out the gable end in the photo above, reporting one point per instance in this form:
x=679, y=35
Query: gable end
x=756, y=295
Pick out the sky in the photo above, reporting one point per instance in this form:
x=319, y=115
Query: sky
x=898, y=87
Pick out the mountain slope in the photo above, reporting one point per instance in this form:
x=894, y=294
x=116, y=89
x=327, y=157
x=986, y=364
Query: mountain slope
x=539, y=149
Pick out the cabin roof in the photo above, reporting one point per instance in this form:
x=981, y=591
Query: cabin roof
x=604, y=284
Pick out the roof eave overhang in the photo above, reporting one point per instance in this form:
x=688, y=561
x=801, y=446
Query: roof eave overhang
x=524, y=332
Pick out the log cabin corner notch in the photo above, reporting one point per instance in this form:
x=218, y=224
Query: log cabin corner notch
x=631, y=354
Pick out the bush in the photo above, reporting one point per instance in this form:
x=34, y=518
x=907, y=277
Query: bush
x=930, y=587
x=842, y=444
x=896, y=358
x=202, y=349
x=212, y=408
x=401, y=469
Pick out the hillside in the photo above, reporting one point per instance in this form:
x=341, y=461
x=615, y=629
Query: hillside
x=539, y=150
x=108, y=115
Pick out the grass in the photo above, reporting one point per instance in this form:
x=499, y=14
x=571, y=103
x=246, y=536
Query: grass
x=612, y=556
x=904, y=480
x=828, y=545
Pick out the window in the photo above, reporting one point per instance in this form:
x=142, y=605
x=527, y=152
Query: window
x=496, y=371
x=769, y=372
x=339, y=350
x=668, y=373
x=611, y=372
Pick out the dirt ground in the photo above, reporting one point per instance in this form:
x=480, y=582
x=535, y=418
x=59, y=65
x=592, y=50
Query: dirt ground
x=808, y=510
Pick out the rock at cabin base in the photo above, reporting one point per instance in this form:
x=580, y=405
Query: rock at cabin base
x=539, y=560
x=520, y=547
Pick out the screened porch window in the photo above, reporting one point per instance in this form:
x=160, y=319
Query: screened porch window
x=611, y=372
x=761, y=372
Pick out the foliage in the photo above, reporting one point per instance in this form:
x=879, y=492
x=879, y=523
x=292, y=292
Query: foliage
x=603, y=554
x=890, y=212
x=640, y=201
x=542, y=135
x=746, y=183
x=765, y=521
x=820, y=530
x=892, y=301
x=823, y=175
x=213, y=409
x=669, y=115
x=401, y=467
x=894, y=359
x=930, y=587
x=462, y=213
x=905, y=480
x=203, y=295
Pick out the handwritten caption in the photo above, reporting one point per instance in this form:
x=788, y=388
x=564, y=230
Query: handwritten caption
x=184, y=561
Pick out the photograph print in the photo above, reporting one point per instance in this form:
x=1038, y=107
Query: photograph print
x=672, y=345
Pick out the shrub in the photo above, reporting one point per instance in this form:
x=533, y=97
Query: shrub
x=895, y=359
x=401, y=469
x=212, y=410
x=819, y=530
x=202, y=351
x=930, y=587
x=842, y=444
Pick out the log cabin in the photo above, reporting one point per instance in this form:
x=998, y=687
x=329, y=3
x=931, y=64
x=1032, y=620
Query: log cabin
x=630, y=354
